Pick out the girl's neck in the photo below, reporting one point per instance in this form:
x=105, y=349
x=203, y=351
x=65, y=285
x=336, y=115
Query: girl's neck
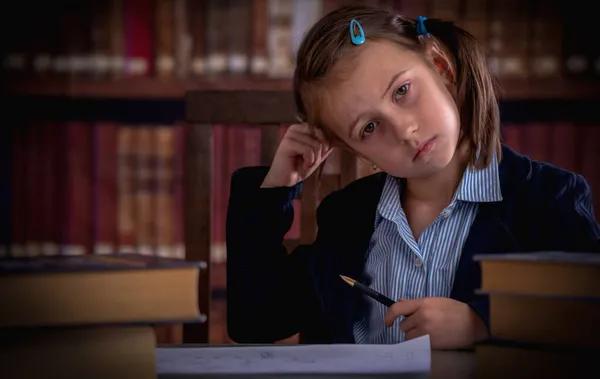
x=439, y=188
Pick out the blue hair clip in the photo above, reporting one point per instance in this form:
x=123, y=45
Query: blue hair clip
x=421, y=30
x=356, y=39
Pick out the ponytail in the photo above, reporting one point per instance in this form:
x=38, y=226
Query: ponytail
x=476, y=92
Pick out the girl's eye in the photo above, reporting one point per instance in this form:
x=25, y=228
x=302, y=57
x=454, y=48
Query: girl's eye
x=369, y=129
x=401, y=91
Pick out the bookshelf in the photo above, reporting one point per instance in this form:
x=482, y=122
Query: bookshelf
x=161, y=96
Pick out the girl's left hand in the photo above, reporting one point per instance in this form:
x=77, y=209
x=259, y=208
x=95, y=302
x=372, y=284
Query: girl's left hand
x=450, y=324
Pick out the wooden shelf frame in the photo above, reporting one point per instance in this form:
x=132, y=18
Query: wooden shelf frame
x=155, y=88
x=137, y=88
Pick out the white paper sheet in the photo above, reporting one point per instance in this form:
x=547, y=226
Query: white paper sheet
x=412, y=356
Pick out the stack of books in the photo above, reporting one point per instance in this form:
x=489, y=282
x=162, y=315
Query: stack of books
x=544, y=315
x=91, y=316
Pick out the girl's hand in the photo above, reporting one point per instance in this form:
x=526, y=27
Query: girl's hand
x=450, y=324
x=297, y=157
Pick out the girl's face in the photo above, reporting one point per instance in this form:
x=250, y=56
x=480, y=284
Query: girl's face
x=394, y=109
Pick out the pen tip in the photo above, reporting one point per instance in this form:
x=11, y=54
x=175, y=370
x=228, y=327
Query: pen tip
x=347, y=280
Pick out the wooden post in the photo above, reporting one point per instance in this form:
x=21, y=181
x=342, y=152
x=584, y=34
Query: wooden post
x=308, y=212
x=269, y=141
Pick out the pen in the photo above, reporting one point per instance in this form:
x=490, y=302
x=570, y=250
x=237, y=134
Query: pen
x=368, y=291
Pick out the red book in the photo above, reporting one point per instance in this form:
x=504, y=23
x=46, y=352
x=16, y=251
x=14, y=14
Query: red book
x=536, y=141
x=105, y=188
x=50, y=166
x=19, y=192
x=34, y=184
x=564, y=146
x=77, y=189
x=511, y=134
x=590, y=162
x=139, y=18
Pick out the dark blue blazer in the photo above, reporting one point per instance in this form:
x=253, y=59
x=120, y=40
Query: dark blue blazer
x=273, y=295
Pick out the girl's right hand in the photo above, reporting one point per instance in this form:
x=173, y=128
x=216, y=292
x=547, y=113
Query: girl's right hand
x=297, y=157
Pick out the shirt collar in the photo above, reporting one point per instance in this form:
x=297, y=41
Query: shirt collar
x=476, y=186
x=480, y=186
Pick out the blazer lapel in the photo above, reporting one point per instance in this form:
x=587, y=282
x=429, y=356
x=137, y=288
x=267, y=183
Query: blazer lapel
x=491, y=232
x=345, y=255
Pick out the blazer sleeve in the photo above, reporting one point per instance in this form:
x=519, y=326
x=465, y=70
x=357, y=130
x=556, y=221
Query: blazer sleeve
x=571, y=223
x=269, y=292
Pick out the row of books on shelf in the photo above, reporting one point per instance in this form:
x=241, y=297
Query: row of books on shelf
x=80, y=188
x=185, y=38
x=571, y=146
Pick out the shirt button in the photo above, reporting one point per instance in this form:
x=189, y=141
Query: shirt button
x=445, y=213
x=418, y=262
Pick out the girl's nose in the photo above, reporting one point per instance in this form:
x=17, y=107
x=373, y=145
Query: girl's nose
x=404, y=129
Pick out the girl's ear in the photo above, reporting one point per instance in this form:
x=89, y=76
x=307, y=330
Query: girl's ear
x=442, y=62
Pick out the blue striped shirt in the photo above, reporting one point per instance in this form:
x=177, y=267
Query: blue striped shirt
x=401, y=267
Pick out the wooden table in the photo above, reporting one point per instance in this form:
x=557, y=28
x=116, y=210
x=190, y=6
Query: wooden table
x=452, y=364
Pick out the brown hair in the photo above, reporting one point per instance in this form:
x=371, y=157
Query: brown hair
x=328, y=41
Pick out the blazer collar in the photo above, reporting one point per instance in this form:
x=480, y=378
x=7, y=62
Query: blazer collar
x=346, y=255
x=491, y=232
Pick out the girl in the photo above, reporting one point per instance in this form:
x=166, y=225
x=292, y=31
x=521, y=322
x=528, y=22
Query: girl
x=415, y=98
